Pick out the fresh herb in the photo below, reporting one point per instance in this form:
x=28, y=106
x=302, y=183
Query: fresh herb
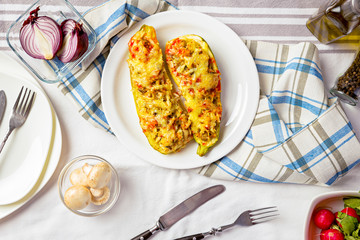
x=353, y=203
x=347, y=223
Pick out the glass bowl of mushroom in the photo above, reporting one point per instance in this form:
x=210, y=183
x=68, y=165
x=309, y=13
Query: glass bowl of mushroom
x=89, y=185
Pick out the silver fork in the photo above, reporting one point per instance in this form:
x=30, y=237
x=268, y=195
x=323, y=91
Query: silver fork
x=247, y=218
x=20, y=112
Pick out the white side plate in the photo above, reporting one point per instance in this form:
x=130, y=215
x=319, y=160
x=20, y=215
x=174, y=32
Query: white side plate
x=47, y=172
x=10, y=66
x=25, y=152
x=240, y=88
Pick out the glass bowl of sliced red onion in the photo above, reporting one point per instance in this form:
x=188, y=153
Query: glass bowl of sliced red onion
x=52, y=39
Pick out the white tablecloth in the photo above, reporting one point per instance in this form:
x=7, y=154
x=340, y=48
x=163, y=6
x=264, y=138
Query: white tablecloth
x=148, y=191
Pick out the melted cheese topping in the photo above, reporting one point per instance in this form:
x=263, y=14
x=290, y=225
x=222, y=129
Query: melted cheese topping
x=194, y=70
x=161, y=116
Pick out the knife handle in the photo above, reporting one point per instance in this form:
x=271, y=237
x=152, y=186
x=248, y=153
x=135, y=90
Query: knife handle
x=143, y=236
x=193, y=237
x=148, y=233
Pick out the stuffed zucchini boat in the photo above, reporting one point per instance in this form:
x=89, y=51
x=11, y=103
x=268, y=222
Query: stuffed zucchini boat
x=163, y=120
x=194, y=69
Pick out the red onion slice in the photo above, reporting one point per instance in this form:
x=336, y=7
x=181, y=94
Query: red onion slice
x=40, y=37
x=75, y=41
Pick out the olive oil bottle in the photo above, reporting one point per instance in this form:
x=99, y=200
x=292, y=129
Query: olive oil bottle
x=334, y=20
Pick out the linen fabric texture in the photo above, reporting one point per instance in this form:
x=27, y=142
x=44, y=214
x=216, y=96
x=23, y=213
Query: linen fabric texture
x=299, y=135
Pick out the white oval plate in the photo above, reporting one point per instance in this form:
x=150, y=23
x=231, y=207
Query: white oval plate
x=25, y=152
x=240, y=88
x=11, y=66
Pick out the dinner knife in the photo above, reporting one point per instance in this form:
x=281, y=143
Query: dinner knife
x=2, y=104
x=182, y=210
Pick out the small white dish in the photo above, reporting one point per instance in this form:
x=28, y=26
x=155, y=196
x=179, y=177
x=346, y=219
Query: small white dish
x=239, y=83
x=332, y=201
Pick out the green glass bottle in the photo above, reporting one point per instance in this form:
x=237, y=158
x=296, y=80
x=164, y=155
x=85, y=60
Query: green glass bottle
x=334, y=20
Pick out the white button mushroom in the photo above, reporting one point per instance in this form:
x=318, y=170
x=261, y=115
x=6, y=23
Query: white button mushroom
x=78, y=177
x=77, y=197
x=99, y=176
x=97, y=192
x=86, y=168
x=100, y=199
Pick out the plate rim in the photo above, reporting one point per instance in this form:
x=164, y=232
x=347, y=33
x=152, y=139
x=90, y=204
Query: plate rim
x=110, y=114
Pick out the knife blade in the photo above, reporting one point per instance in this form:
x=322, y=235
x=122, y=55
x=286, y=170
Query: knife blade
x=2, y=104
x=182, y=210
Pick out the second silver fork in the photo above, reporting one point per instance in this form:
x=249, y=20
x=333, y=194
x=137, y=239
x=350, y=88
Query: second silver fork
x=247, y=218
x=20, y=112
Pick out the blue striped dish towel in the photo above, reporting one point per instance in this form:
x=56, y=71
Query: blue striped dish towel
x=299, y=135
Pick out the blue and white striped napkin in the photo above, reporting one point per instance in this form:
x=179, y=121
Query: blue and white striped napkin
x=299, y=135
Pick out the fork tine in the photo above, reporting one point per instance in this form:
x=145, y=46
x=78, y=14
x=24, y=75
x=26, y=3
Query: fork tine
x=261, y=209
x=264, y=219
x=17, y=100
x=30, y=104
x=25, y=106
x=262, y=213
x=21, y=105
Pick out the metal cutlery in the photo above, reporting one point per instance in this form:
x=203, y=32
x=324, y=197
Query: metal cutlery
x=247, y=218
x=182, y=210
x=2, y=104
x=20, y=112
